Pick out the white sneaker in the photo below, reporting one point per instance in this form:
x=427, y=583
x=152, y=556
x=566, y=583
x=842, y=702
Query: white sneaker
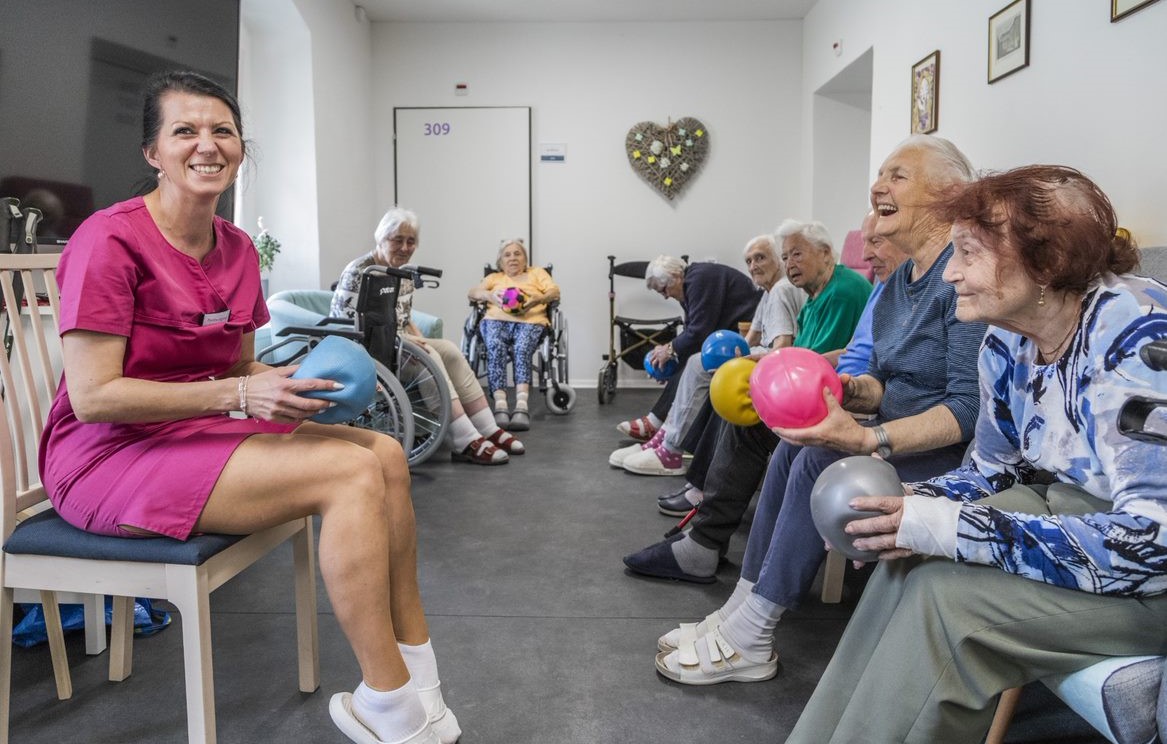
x=649, y=462
x=617, y=458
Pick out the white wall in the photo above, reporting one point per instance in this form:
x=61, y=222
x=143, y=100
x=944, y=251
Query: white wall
x=305, y=70
x=1093, y=96
x=588, y=83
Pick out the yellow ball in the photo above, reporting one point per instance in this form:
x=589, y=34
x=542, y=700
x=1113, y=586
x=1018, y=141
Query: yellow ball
x=729, y=392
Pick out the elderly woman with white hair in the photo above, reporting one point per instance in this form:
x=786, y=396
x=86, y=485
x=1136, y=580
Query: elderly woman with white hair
x=476, y=437
x=516, y=297
x=712, y=297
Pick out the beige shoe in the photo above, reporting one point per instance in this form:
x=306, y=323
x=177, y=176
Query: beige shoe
x=617, y=458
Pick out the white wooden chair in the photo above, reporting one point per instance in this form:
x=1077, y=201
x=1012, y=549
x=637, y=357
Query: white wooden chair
x=42, y=552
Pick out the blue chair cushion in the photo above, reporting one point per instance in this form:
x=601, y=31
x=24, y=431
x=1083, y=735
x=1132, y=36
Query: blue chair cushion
x=1117, y=696
x=48, y=534
x=346, y=362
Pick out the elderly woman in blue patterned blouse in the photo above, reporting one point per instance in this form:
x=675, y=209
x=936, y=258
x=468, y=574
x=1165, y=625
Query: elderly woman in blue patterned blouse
x=1048, y=549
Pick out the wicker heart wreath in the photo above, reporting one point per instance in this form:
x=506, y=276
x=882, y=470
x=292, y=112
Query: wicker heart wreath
x=667, y=157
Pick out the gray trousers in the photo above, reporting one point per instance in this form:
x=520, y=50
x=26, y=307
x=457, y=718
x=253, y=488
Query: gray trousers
x=692, y=392
x=933, y=642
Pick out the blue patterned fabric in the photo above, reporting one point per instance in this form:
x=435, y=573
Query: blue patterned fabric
x=1062, y=419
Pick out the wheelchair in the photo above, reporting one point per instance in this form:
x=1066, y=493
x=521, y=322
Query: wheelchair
x=550, y=357
x=412, y=403
x=637, y=336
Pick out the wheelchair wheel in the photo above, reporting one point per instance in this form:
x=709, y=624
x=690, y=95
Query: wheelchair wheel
x=561, y=401
x=606, y=386
x=390, y=412
x=429, y=399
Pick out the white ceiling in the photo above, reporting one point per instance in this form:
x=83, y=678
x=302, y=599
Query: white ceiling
x=479, y=11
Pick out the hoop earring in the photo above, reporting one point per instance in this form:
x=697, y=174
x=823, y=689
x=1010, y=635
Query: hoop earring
x=1041, y=297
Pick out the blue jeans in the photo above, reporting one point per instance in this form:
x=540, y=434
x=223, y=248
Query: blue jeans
x=785, y=550
x=506, y=338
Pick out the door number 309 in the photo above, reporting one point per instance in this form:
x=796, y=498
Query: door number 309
x=437, y=129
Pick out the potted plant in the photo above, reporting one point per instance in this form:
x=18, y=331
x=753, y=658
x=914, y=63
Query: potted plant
x=268, y=247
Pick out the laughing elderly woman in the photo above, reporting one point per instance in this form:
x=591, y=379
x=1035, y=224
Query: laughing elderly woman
x=1048, y=551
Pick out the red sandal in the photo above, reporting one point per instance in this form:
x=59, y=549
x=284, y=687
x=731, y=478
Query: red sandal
x=640, y=429
x=506, y=442
x=481, y=452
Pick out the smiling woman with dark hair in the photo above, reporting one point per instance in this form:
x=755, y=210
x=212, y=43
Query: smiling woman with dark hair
x=1048, y=550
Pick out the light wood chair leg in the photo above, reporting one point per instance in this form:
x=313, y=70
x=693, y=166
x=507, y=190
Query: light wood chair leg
x=94, y=605
x=6, y=610
x=121, y=639
x=189, y=592
x=833, y=570
x=1005, y=709
x=56, y=634
x=307, y=632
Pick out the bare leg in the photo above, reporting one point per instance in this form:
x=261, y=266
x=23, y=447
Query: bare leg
x=358, y=482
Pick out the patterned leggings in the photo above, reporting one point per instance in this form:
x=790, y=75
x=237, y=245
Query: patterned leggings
x=503, y=336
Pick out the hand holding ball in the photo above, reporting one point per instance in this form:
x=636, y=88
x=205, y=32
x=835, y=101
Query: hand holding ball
x=787, y=388
x=720, y=347
x=842, y=481
x=344, y=361
x=729, y=392
x=513, y=300
x=663, y=373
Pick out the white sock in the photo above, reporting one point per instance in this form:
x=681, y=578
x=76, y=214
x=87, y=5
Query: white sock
x=750, y=627
x=741, y=590
x=484, y=422
x=521, y=401
x=393, y=715
x=500, y=400
x=694, y=496
x=421, y=663
x=462, y=432
x=694, y=558
x=656, y=423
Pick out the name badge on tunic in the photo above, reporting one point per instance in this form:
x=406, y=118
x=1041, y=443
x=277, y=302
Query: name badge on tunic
x=213, y=318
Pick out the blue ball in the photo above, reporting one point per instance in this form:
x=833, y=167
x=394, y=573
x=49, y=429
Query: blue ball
x=663, y=373
x=346, y=362
x=720, y=347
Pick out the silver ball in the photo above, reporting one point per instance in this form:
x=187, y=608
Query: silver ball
x=837, y=485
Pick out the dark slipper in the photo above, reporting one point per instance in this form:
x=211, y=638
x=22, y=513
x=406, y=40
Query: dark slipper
x=674, y=506
x=658, y=562
x=481, y=452
x=520, y=421
x=502, y=419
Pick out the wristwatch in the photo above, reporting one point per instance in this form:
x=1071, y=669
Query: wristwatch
x=883, y=444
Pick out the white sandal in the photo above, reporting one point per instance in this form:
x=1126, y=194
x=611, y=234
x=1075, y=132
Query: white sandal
x=689, y=632
x=441, y=718
x=710, y=660
x=341, y=710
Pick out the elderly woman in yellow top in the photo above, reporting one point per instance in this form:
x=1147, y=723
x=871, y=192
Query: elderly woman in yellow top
x=516, y=298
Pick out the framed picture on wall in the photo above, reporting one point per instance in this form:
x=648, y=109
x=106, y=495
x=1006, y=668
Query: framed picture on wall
x=1008, y=40
x=1120, y=9
x=926, y=94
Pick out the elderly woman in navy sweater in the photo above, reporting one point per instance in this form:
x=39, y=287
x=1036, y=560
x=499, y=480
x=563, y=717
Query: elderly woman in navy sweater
x=712, y=296
x=1049, y=549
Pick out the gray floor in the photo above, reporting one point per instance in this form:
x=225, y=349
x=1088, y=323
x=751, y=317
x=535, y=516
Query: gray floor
x=541, y=636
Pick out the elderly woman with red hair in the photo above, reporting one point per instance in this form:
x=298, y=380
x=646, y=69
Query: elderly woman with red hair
x=1048, y=551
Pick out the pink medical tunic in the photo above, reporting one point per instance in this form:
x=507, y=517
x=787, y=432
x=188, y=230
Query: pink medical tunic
x=183, y=321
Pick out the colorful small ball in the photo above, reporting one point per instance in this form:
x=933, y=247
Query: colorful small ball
x=512, y=300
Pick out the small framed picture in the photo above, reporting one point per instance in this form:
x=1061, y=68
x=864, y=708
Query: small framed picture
x=926, y=94
x=1120, y=9
x=1009, y=40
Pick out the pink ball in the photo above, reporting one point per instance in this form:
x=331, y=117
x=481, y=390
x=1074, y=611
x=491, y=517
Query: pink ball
x=787, y=387
x=513, y=299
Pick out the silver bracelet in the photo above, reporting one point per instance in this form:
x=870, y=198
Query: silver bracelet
x=243, y=393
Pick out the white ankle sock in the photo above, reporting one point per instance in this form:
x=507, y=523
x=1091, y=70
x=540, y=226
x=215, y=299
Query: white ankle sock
x=656, y=423
x=521, y=401
x=421, y=663
x=741, y=590
x=694, y=558
x=484, y=422
x=500, y=400
x=750, y=627
x=462, y=432
x=392, y=716
x=694, y=496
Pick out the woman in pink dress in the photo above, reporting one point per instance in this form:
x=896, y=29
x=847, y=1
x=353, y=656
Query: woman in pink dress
x=160, y=299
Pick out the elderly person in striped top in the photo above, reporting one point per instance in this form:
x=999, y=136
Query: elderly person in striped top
x=921, y=387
